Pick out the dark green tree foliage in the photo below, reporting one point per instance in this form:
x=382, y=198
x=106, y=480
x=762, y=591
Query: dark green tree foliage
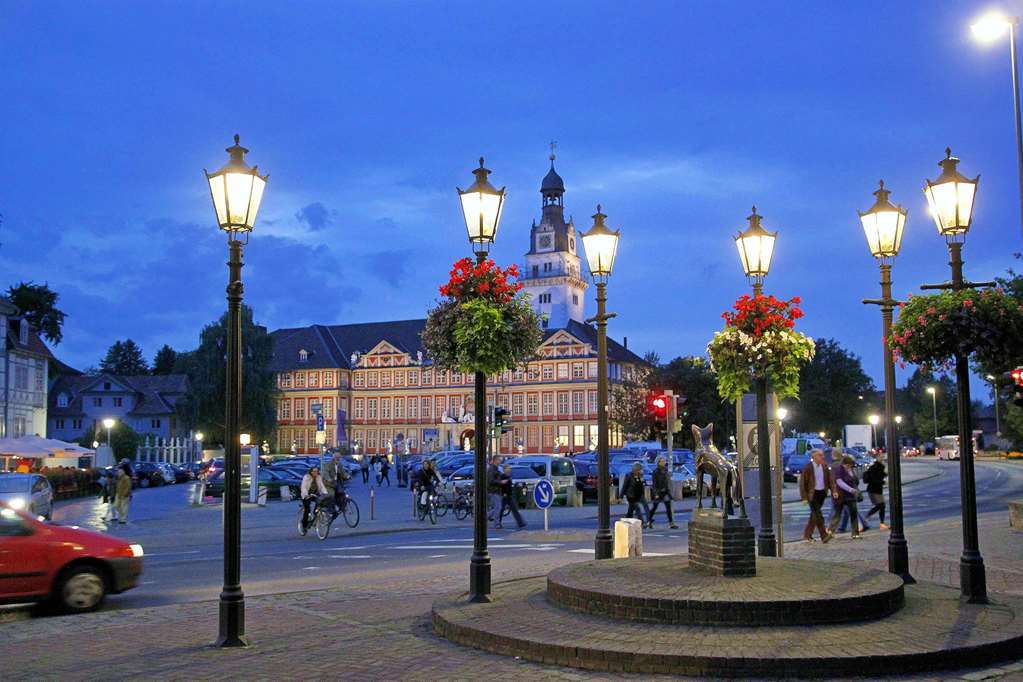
x=124, y=358
x=164, y=361
x=692, y=377
x=830, y=387
x=124, y=439
x=38, y=303
x=917, y=407
x=202, y=408
x=628, y=406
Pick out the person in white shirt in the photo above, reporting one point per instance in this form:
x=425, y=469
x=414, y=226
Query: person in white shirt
x=312, y=490
x=815, y=483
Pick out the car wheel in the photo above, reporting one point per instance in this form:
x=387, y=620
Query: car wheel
x=81, y=589
x=144, y=483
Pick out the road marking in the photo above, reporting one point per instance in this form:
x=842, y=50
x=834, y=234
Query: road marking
x=311, y=568
x=456, y=546
x=342, y=549
x=582, y=551
x=350, y=556
x=150, y=556
x=437, y=556
x=657, y=554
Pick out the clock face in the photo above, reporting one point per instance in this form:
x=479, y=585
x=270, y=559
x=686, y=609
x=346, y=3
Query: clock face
x=545, y=241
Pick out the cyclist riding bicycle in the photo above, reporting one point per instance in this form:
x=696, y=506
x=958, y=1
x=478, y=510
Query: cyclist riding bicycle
x=312, y=491
x=335, y=476
x=426, y=481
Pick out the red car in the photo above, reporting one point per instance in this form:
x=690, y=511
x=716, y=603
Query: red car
x=73, y=568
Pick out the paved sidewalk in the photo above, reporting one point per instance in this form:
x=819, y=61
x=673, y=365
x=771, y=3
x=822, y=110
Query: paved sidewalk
x=382, y=631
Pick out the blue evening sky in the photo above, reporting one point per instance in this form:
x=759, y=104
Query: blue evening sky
x=676, y=116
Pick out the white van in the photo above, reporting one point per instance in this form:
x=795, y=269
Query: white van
x=560, y=471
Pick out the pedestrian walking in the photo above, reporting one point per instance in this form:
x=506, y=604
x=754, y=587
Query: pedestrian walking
x=109, y=493
x=364, y=466
x=874, y=477
x=385, y=471
x=815, y=484
x=662, y=492
x=508, y=500
x=635, y=493
x=377, y=467
x=847, y=496
x=494, y=487
x=845, y=512
x=122, y=494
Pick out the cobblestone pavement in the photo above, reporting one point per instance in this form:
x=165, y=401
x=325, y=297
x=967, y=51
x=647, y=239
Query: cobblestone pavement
x=380, y=629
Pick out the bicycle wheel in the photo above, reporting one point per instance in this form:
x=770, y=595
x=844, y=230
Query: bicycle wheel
x=433, y=513
x=351, y=513
x=462, y=508
x=323, y=522
x=441, y=504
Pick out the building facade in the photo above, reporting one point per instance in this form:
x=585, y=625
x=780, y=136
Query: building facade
x=78, y=404
x=378, y=391
x=24, y=375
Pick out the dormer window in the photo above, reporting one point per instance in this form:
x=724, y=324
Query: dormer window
x=62, y=400
x=303, y=356
x=106, y=385
x=23, y=333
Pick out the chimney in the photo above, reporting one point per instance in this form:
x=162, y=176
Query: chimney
x=625, y=342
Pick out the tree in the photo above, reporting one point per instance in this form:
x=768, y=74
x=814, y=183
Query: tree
x=202, y=408
x=38, y=303
x=628, y=405
x=918, y=409
x=123, y=438
x=163, y=362
x=692, y=377
x=830, y=387
x=124, y=358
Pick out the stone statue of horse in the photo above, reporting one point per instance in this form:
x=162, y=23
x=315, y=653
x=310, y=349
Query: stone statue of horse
x=709, y=460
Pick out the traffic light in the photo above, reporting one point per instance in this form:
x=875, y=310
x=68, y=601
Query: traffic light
x=499, y=416
x=659, y=406
x=1017, y=386
x=682, y=406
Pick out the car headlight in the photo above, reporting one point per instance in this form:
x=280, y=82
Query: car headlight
x=16, y=503
x=136, y=550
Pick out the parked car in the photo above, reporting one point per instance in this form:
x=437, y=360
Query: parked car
x=687, y=474
x=560, y=471
x=272, y=480
x=451, y=464
x=182, y=474
x=459, y=478
x=910, y=451
x=27, y=492
x=71, y=567
x=586, y=478
x=794, y=465
x=152, y=474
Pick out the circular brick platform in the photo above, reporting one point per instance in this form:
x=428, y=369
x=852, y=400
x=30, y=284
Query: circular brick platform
x=667, y=590
x=933, y=631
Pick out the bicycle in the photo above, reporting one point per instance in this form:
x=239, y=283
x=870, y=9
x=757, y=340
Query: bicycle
x=429, y=508
x=463, y=505
x=442, y=503
x=320, y=518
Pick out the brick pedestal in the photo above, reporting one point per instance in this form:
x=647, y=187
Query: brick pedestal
x=721, y=546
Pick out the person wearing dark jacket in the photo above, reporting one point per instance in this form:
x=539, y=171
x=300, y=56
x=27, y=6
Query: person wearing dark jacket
x=815, y=484
x=635, y=493
x=508, y=500
x=494, y=487
x=874, y=478
x=846, y=485
x=661, y=492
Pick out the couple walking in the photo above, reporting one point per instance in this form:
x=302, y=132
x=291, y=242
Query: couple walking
x=817, y=481
x=502, y=493
x=635, y=492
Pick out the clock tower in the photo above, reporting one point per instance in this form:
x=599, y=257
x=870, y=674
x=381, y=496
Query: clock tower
x=552, y=275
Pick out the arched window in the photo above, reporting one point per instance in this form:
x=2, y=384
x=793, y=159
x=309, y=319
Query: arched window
x=62, y=400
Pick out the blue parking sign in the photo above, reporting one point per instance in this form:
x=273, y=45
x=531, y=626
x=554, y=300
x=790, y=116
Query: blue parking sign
x=543, y=494
x=320, y=424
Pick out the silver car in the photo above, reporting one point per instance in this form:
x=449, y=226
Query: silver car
x=29, y=492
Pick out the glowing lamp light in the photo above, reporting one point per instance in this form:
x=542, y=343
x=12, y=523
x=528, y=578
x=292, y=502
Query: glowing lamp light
x=245, y=439
x=883, y=224
x=931, y=390
x=874, y=419
x=199, y=436
x=482, y=204
x=950, y=199
x=601, y=245
x=898, y=419
x=990, y=27
x=756, y=248
x=782, y=413
x=237, y=191
x=109, y=423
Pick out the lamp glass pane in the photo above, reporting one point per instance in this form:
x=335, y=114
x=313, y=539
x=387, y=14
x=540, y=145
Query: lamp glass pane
x=239, y=191
x=951, y=204
x=756, y=251
x=219, y=198
x=600, y=252
x=258, y=186
x=482, y=211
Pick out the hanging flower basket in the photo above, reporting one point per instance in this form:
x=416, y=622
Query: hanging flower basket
x=986, y=324
x=484, y=324
x=759, y=341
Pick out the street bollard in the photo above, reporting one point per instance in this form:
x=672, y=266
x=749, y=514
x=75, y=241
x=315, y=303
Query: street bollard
x=199, y=493
x=628, y=538
x=414, y=505
x=261, y=496
x=372, y=504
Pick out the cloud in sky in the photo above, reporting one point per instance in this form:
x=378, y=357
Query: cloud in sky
x=316, y=216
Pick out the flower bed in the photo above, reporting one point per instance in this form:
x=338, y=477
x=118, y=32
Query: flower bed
x=987, y=325
x=68, y=482
x=484, y=324
x=759, y=340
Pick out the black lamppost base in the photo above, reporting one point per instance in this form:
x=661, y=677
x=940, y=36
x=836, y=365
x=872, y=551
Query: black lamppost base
x=479, y=578
x=232, y=622
x=767, y=544
x=898, y=560
x=603, y=546
x=972, y=579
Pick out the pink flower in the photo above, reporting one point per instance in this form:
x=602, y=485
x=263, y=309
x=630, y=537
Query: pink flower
x=967, y=303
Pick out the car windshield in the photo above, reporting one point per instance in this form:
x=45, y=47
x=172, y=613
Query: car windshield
x=13, y=485
x=562, y=467
x=522, y=472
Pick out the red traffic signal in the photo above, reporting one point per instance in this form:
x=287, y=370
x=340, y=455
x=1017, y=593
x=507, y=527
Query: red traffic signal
x=1017, y=376
x=659, y=406
x=1017, y=379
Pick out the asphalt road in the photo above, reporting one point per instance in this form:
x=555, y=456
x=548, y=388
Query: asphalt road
x=184, y=560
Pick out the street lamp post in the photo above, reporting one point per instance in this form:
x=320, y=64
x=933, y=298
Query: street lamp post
x=874, y=421
x=994, y=398
x=108, y=424
x=198, y=445
x=601, y=245
x=951, y=200
x=989, y=28
x=756, y=248
x=481, y=204
x=934, y=411
x=236, y=190
x=883, y=224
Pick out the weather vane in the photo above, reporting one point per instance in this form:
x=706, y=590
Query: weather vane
x=553, y=145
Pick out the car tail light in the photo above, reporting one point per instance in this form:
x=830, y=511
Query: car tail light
x=134, y=551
